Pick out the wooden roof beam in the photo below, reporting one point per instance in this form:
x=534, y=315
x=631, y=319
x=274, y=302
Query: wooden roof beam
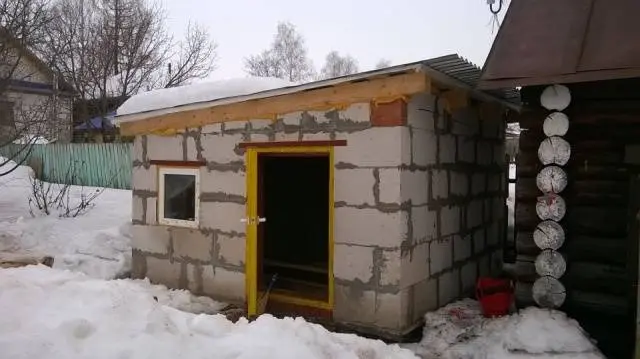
x=339, y=96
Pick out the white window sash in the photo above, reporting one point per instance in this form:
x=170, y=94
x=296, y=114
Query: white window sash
x=161, y=190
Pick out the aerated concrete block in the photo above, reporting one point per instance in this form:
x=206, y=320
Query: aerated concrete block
x=415, y=265
x=390, y=185
x=224, y=182
x=191, y=244
x=440, y=255
x=232, y=249
x=449, y=220
x=223, y=284
x=390, y=267
x=420, y=111
x=357, y=112
x=370, y=227
x=354, y=305
x=354, y=186
x=424, y=224
x=221, y=148
x=415, y=187
x=373, y=147
x=424, y=145
x=447, y=149
x=151, y=216
x=448, y=287
x=223, y=216
x=152, y=239
x=439, y=184
x=163, y=271
x=145, y=179
x=353, y=262
x=167, y=148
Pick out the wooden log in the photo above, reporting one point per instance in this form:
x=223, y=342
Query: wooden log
x=551, y=207
x=556, y=124
x=525, y=269
x=580, y=248
x=592, y=303
x=12, y=260
x=591, y=171
x=586, y=158
x=601, y=250
x=555, y=97
x=598, y=221
x=525, y=244
x=548, y=292
x=523, y=294
x=597, y=278
x=554, y=150
x=549, y=235
x=550, y=263
x=527, y=188
x=552, y=179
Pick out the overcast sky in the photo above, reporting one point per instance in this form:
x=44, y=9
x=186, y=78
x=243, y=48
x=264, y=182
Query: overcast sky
x=399, y=30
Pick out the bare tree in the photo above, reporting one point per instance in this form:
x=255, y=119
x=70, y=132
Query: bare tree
x=286, y=59
x=195, y=58
x=382, y=63
x=336, y=65
x=22, y=27
x=117, y=48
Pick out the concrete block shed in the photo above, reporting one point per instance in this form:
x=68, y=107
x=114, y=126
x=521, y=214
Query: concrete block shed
x=374, y=197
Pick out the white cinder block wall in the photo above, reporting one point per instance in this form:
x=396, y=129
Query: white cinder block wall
x=418, y=208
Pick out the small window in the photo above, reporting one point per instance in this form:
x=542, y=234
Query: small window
x=179, y=196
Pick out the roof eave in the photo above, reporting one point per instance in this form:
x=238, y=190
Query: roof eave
x=412, y=67
x=585, y=76
x=447, y=80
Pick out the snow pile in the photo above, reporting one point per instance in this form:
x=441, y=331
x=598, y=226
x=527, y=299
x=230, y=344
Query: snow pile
x=198, y=92
x=459, y=331
x=97, y=243
x=47, y=313
x=31, y=139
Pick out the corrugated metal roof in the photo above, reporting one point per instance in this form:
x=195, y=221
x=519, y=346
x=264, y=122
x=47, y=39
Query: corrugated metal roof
x=462, y=70
x=451, y=69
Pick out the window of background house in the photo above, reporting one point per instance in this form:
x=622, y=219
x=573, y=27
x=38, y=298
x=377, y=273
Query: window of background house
x=179, y=196
x=7, y=114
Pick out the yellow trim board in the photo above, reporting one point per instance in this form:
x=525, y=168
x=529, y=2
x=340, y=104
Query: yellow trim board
x=284, y=298
x=338, y=96
x=251, y=255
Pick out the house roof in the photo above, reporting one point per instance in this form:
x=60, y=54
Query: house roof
x=62, y=85
x=550, y=41
x=448, y=72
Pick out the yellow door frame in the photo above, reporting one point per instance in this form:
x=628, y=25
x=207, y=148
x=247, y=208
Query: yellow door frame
x=251, y=255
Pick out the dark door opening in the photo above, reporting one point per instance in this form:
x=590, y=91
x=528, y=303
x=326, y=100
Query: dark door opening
x=293, y=197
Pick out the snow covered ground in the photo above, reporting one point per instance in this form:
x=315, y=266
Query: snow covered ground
x=97, y=243
x=48, y=313
x=459, y=331
x=75, y=310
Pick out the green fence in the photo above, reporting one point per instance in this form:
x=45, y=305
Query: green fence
x=88, y=164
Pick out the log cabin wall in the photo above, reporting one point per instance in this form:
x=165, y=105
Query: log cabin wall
x=601, y=236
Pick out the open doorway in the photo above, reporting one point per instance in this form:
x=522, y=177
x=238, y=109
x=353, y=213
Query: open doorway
x=293, y=241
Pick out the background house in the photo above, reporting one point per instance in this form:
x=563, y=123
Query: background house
x=33, y=96
x=375, y=197
x=591, y=47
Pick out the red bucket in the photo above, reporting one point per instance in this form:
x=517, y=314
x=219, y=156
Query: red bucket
x=495, y=296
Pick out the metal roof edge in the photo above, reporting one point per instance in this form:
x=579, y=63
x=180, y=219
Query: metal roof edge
x=447, y=79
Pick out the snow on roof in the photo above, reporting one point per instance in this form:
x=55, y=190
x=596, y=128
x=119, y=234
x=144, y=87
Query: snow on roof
x=198, y=92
